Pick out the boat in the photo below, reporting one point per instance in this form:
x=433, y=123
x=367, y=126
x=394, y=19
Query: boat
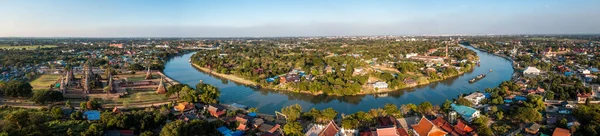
x=490, y=70
x=477, y=78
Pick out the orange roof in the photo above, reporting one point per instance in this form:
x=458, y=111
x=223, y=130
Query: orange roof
x=391, y=131
x=561, y=132
x=272, y=130
x=330, y=130
x=427, y=128
x=241, y=127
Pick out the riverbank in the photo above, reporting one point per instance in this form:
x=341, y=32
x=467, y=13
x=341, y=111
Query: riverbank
x=244, y=81
x=226, y=76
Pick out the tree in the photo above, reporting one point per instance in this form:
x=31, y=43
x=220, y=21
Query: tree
x=563, y=123
x=293, y=129
x=481, y=123
x=350, y=123
x=208, y=94
x=447, y=106
x=68, y=104
x=526, y=114
x=16, y=88
x=147, y=133
x=175, y=89
x=550, y=95
x=253, y=109
x=328, y=114
x=463, y=101
x=500, y=115
x=535, y=102
x=83, y=105
x=408, y=108
x=189, y=95
x=173, y=128
x=93, y=130
x=57, y=111
x=425, y=107
x=40, y=97
x=292, y=112
x=392, y=109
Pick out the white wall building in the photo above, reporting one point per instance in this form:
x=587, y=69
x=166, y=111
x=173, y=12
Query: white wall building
x=411, y=55
x=475, y=98
x=380, y=85
x=532, y=71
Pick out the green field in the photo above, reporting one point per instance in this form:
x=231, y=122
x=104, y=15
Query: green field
x=27, y=47
x=44, y=81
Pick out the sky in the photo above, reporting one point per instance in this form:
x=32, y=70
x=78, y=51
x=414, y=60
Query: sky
x=279, y=18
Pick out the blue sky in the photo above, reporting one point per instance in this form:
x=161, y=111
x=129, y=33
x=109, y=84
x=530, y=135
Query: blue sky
x=258, y=18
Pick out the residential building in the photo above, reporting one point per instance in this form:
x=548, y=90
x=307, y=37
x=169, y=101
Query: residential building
x=475, y=98
x=532, y=128
x=380, y=85
x=532, y=71
x=465, y=112
x=411, y=55
x=427, y=128
x=561, y=132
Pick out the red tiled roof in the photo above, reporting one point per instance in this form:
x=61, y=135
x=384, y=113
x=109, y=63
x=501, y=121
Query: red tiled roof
x=386, y=121
x=402, y=132
x=366, y=133
x=462, y=128
x=330, y=130
x=561, y=132
x=126, y=132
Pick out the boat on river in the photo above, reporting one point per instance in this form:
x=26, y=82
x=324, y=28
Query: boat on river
x=477, y=78
x=490, y=70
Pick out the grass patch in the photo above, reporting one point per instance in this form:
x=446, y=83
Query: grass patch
x=44, y=81
x=27, y=47
x=142, y=96
x=141, y=78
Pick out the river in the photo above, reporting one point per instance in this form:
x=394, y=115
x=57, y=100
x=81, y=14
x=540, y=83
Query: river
x=268, y=101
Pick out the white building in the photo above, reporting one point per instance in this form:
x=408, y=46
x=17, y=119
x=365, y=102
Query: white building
x=475, y=98
x=586, y=72
x=380, y=85
x=531, y=71
x=411, y=55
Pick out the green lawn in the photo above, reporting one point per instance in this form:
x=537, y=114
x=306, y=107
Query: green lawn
x=28, y=47
x=142, y=96
x=44, y=81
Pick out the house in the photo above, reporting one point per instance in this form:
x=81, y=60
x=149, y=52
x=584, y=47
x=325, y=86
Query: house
x=184, y=106
x=466, y=112
x=330, y=130
x=216, y=112
x=389, y=131
x=427, y=128
x=582, y=97
x=258, y=122
x=561, y=132
x=411, y=55
x=462, y=128
x=532, y=128
x=585, y=72
x=531, y=71
x=380, y=85
x=410, y=82
x=475, y=98
x=443, y=124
